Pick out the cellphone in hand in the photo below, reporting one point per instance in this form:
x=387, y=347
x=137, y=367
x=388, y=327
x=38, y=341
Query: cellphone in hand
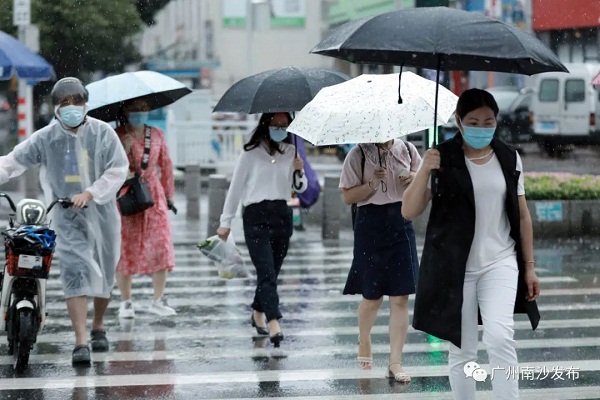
x=404, y=173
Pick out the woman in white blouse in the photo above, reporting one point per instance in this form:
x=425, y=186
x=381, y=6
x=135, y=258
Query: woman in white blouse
x=262, y=182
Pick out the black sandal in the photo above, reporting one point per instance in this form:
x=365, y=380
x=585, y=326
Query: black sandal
x=99, y=340
x=276, y=339
x=81, y=355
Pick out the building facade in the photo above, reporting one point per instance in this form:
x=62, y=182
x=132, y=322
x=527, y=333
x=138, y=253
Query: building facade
x=572, y=31
x=208, y=44
x=212, y=44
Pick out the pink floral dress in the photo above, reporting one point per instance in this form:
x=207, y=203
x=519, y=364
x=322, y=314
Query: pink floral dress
x=146, y=242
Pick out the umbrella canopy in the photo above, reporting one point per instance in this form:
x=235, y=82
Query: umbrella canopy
x=439, y=38
x=364, y=109
x=17, y=60
x=107, y=95
x=279, y=90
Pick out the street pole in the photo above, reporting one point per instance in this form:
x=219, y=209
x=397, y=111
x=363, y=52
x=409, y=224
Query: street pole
x=22, y=19
x=249, y=30
x=251, y=26
x=528, y=11
x=25, y=100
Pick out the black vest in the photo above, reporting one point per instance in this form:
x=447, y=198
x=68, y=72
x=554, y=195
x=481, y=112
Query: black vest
x=448, y=240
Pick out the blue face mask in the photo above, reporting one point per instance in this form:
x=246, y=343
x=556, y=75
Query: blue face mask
x=277, y=134
x=72, y=116
x=477, y=137
x=138, y=118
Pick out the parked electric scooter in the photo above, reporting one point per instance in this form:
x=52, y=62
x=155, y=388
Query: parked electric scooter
x=29, y=245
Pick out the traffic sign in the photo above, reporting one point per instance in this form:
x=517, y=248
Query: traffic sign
x=21, y=12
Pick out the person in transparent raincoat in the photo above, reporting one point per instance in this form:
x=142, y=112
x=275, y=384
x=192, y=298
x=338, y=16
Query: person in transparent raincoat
x=81, y=158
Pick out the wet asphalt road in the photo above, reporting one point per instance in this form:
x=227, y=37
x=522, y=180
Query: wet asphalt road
x=578, y=160
x=208, y=350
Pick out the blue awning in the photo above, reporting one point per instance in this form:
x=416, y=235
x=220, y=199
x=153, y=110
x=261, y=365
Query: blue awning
x=17, y=60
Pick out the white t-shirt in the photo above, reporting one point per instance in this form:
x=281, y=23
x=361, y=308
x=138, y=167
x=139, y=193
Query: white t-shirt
x=259, y=176
x=492, y=241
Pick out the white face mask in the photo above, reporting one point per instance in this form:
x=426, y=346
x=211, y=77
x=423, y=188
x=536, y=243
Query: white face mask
x=72, y=116
x=478, y=137
x=277, y=134
x=138, y=118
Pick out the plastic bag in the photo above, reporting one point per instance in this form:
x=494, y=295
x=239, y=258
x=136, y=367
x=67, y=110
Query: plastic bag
x=226, y=256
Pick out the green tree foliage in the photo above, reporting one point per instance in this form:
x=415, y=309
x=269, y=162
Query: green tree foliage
x=148, y=9
x=82, y=36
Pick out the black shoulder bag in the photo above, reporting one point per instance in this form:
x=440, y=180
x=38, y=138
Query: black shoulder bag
x=134, y=196
x=362, y=176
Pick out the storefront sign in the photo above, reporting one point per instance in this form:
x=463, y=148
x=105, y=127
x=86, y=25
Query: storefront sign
x=284, y=13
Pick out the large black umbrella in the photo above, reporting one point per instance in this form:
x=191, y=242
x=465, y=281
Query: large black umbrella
x=279, y=90
x=439, y=38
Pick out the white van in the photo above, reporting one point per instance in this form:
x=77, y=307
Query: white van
x=566, y=107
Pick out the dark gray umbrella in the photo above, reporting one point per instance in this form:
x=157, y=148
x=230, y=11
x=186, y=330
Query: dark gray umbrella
x=279, y=90
x=439, y=38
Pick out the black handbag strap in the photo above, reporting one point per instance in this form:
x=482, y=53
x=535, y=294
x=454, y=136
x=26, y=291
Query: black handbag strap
x=409, y=155
x=362, y=163
x=147, y=143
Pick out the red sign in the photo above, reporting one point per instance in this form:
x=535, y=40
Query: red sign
x=561, y=14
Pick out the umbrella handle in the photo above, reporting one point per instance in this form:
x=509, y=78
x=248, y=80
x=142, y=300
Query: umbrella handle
x=293, y=115
x=399, y=84
x=435, y=177
x=298, y=185
x=297, y=174
x=296, y=145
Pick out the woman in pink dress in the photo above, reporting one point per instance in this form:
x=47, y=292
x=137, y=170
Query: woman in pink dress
x=146, y=242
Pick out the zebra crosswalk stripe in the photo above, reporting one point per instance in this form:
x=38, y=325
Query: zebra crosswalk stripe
x=211, y=336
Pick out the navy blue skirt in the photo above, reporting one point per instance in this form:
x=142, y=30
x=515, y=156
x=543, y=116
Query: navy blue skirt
x=385, y=253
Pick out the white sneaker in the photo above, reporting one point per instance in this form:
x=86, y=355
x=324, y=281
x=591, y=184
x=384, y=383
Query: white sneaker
x=161, y=308
x=126, y=324
x=126, y=309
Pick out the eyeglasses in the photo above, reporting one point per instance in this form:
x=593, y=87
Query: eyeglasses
x=279, y=128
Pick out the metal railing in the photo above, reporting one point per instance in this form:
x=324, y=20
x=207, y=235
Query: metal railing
x=216, y=144
x=209, y=144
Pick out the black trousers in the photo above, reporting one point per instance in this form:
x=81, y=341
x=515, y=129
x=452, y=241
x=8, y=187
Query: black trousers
x=267, y=230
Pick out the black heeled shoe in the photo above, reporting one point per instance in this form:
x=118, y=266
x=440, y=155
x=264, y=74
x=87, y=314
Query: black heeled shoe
x=259, y=329
x=276, y=339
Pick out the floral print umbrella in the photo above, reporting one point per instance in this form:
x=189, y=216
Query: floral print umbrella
x=366, y=110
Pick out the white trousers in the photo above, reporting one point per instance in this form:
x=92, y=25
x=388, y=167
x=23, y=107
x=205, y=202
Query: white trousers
x=493, y=289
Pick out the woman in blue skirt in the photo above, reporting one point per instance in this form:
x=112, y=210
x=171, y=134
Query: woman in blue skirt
x=385, y=262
